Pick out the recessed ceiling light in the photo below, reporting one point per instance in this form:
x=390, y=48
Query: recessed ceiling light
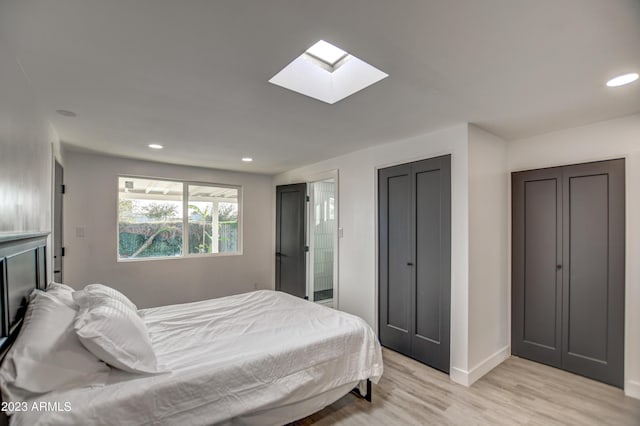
x=621, y=80
x=155, y=146
x=66, y=113
x=327, y=53
x=247, y=159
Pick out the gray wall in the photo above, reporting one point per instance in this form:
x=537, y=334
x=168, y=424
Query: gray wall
x=91, y=204
x=25, y=153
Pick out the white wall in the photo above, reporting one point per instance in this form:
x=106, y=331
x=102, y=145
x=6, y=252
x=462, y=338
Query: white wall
x=91, y=203
x=488, y=253
x=25, y=153
x=600, y=141
x=357, y=207
x=27, y=141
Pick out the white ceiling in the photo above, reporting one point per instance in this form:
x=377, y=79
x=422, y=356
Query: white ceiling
x=192, y=75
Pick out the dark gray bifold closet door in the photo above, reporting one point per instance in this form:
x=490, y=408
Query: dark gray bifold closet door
x=415, y=259
x=291, y=270
x=394, y=295
x=537, y=259
x=568, y=268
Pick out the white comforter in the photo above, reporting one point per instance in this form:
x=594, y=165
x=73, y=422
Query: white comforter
x=225, y=358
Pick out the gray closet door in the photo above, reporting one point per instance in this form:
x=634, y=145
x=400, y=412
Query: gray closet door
x=593, y=270
x=395, y=272
x=571, y=314
x=431, y=234
x=415, y=259
x=537, y=260
x=291, y=270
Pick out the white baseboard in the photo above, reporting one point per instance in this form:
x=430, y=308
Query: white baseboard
x=467, y=378
x=632, y=389
x=459, y=376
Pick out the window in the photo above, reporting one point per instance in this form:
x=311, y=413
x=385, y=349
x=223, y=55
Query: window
x=161, y=219
x=213, y=219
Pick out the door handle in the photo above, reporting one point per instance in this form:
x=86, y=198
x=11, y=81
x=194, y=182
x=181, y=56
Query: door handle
x=278, y=254
x=409, y=264
x=558, y=267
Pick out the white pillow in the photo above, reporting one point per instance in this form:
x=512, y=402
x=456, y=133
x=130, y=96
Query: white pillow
x=59, y=286
x=47, y=354
x=62, y=292
x=96, y=291
x=116, y=334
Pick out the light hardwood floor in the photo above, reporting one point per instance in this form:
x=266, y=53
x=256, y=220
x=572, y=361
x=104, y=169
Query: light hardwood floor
x=517, y=392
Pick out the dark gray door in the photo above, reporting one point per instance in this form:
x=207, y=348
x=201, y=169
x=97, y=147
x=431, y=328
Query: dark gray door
x=593, y=270
x=571, y=314
x=415, y=259
x=395, y=272
x=57, y=223
x=291, y=270
x=431, y=233
x=537, y=260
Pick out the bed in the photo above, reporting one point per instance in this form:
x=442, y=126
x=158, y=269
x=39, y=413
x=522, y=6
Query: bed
x=263, y=358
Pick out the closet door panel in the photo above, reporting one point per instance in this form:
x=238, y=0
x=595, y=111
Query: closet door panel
x=588, y=260
x=399, y=275
x=432, y=232
x=428, y=260
x=593, y=334
x=537, y=257
x=540, y=283
x=394, y=246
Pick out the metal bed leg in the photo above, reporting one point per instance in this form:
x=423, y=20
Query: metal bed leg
x=367, y=396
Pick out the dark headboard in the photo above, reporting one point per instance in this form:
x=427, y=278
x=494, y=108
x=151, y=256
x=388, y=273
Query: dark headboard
x=23, y=267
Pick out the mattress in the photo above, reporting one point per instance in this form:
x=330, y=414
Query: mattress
x=226, y=360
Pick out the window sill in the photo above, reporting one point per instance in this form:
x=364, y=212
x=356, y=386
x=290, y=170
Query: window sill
x=190, y=256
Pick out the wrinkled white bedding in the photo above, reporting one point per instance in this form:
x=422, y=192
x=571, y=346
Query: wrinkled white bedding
x=227, y=358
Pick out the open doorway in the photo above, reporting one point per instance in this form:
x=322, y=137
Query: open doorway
x=323, y=242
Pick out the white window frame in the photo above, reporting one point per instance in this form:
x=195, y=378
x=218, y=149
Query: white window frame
x=185, y=220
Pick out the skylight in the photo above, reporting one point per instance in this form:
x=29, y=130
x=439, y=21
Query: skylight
x=326, y=52
x=327, y=73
